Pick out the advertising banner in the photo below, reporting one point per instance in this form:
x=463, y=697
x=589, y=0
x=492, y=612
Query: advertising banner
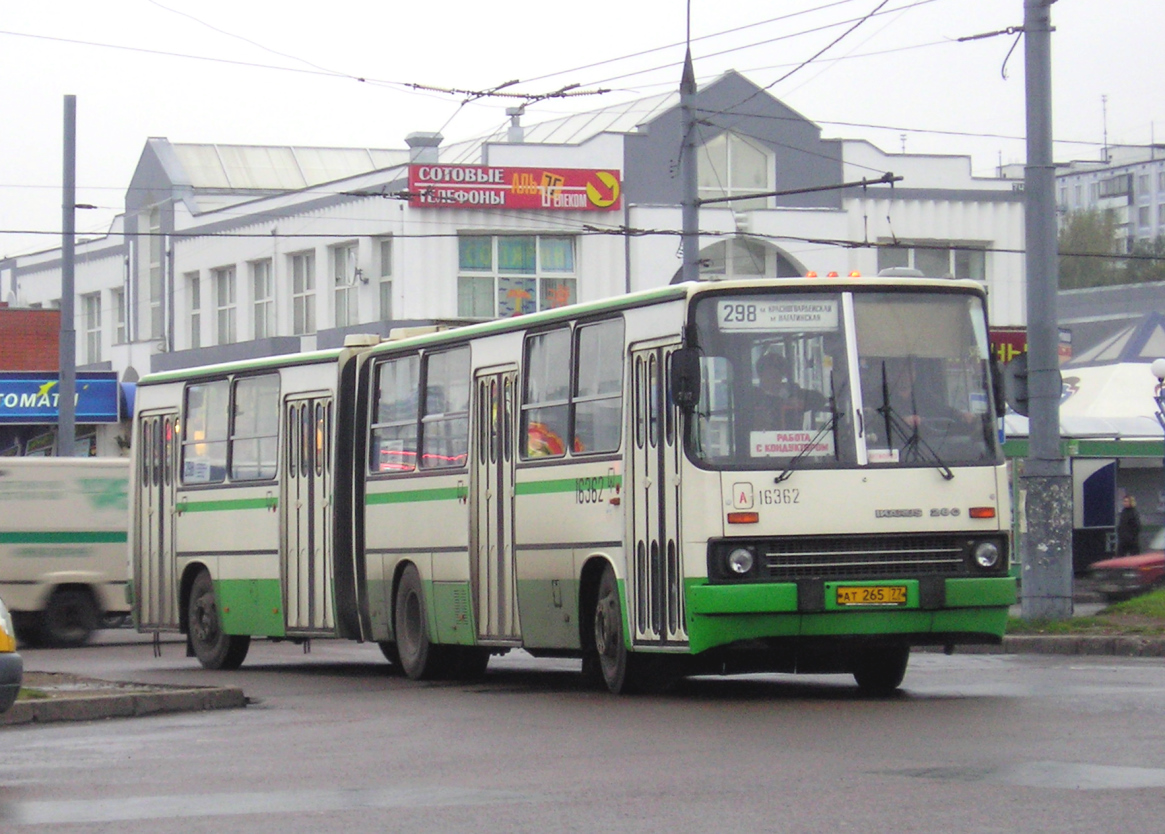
x=489, y=187
x=32, y=397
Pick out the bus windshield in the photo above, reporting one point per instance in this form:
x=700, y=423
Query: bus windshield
x=828, y=380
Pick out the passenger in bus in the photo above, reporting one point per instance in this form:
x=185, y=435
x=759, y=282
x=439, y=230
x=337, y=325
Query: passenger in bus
x=781, y=404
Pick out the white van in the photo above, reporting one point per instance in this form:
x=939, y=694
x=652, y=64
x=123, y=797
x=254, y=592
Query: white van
x=63, y=564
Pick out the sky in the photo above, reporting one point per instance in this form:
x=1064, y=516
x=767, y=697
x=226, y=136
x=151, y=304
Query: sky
x=354, y=73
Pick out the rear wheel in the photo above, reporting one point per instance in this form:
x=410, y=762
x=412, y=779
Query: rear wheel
x=880, y=669
x=214, y=648
x=420, y=659
x=70, y=618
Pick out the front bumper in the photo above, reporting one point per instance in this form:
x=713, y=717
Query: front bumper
x=11, y=676
x=939, y=611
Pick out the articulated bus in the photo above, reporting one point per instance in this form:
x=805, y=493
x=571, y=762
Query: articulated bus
x=792, y=475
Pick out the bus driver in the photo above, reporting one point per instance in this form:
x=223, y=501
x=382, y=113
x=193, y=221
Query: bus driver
x=781, y=403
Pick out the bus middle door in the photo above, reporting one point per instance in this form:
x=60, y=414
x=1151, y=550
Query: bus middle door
x=155, y=583
x=495, y=597
x=655, y=594
x=307, y=518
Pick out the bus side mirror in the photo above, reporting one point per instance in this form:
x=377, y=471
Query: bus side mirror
x=685, y=377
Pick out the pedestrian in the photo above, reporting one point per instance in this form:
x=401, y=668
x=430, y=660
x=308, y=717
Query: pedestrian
x=1128, y=529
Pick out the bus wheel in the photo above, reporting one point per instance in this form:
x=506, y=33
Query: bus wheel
x=391, y=654
x=420, y=659
x=70, y=618
x=214, y=648
x=616, y=664
x=879, y=670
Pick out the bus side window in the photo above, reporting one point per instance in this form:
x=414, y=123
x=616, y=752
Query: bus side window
x=545, y=394
x=598, y=394
x=445, y=420
x=204, y=433
x=393, y=446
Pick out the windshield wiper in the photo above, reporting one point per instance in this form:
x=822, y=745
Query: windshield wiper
x=830, y=424
x=914, y=446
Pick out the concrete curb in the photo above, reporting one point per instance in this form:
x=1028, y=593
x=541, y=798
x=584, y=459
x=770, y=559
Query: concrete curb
x=1119, y=645
x=123, y=700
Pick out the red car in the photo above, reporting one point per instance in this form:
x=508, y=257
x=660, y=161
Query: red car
x=1127, y=576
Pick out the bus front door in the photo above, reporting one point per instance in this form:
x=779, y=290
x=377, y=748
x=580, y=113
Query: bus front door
x=655, y=596
x=155, y=583
x=494, y=583
x=307, y=518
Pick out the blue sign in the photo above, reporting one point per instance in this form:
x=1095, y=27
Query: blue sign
x=31, y=397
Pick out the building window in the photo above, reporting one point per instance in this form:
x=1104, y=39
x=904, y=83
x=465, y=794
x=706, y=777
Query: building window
x=1142, y=185
x=345, y=279
x=730, y=165
x=1143, y=217
x=1161, y=181
x=386, y=279
x=937, y=259
x=91, y=321
x=508, y=275
x=263, y=294
x=225, y=300
x=303, y=293
x=736, y=258
x=1161, y=214
x=119, y=335
x=194, y=294
x=157, y=289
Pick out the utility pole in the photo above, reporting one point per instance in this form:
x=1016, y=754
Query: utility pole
x=689, y=205
x=67, y=385
x=1046, y=534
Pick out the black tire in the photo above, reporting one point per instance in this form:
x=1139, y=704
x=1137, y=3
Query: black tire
x=622, y=671
x=880, y=669
x=392, y=656
x=69, y=618
x=420, y=659
x=214, y=648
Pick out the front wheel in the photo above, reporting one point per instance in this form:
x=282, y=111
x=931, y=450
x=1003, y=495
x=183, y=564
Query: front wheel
x=214, y=648
x=622, y=671
x=880, y=670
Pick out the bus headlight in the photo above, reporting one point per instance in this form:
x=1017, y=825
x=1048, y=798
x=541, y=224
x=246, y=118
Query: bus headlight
x=740, y=561
x=986, y=555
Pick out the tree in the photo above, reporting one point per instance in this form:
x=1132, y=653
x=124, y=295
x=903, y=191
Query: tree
x=1147, y=262
x=1085, y=235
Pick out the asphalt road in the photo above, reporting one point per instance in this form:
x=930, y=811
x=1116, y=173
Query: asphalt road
x=331, y=742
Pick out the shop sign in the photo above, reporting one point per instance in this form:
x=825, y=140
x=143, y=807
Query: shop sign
x=488, y=187
x=32, y=397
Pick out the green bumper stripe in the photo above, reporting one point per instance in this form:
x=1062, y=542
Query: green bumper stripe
x=781, y=597
x=64, y=537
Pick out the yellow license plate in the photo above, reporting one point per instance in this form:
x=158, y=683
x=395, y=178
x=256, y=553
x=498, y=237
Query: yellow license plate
x=871, y=595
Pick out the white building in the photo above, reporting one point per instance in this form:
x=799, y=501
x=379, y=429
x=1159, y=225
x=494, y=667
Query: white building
x=1130, y=183
x=226, y=252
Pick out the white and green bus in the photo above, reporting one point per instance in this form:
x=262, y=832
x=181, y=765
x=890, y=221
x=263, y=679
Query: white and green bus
x=626, y=482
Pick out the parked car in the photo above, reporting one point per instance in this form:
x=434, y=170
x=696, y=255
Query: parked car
x=11, y=665
x=1127, y=576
